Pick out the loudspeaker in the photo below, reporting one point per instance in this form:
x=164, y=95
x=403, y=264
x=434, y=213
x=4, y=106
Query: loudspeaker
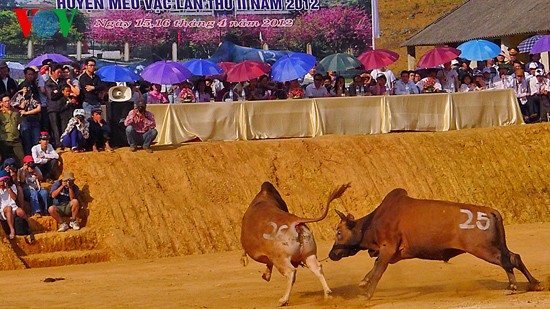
x=120, y=94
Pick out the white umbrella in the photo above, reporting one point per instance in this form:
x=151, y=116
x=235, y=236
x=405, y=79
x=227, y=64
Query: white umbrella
x=16, y=70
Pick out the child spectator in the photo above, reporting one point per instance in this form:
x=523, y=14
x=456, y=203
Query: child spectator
x=77, y=132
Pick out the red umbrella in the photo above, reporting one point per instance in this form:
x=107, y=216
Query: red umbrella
x=438, y=56
x=378, y=58
x=226, y=65
x=247, y=70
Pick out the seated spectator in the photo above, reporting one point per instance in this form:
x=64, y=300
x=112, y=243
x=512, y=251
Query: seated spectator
x=327, y=82
x=44, y=156
x=295, y=91
x=464, y=69
x=154, y=96
x=502, y=80
x=223, y=93
x=30, y=177
x=404, y=85
x=186, y=93
x=448, y=77
x=8, y=205
x=100, y=132
x=479, y=82
x=487, y=78
x=10, y=144
x=140, y=128
x=430, y=83
x=316, y=89
x=77, y=132
x=30, y=109
x=65, y=202
x=202, y=93
x=380, y=87
x=367, y=80
x=466, y=84
x=339, y=89
x=356, y=87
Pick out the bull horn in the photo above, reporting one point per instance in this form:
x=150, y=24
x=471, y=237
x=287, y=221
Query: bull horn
x=341, y=215
x=336, y=193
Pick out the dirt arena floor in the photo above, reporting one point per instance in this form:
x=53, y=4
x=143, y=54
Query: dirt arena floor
x=168, y=223
x=219, y=281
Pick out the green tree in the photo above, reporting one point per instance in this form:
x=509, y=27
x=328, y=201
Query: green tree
x=11, y=34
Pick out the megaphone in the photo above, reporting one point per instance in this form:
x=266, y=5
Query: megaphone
x=120, y=94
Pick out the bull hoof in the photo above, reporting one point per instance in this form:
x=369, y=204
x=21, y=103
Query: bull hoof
x=536, y=287
x=364, y=284
x=511, y=289
x=327, y=294
x=266, y=277
x=283, y=302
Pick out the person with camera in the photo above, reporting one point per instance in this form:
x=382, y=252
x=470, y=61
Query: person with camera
x=65, y=202
x=45, y=156
x=77, y=132
x=140, y=127
x=10, y=144
x=8, y=205
x=30, y=177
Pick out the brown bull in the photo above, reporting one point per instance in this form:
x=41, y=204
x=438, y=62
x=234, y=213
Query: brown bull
x=273, y=236
x=404, y=228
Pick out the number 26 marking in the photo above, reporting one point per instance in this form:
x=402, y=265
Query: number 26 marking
x=483, y=223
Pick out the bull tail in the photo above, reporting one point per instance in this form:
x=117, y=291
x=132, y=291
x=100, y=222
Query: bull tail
x=244, y=259
x=501, y=238
x=336, y=193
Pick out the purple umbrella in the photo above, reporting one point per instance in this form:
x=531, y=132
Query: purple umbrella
x=166, y=73
x=542, y=45
x=54, y=57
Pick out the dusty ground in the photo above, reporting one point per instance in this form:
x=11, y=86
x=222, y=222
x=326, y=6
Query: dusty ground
x=219, y=281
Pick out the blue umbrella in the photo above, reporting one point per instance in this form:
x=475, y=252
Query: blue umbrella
x=115, y=73
x=292, y=66
x=166, y=73
x=203, y=67
x=526, y=45
x=478, y=50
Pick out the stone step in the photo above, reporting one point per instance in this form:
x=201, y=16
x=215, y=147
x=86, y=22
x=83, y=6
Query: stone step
x=84, y=239
x=62, y=258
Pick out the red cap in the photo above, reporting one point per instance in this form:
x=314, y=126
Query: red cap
x=28, y=159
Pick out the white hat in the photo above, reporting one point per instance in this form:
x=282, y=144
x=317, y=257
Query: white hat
x=539, y=72
x=533, y=65
x=78, y=112
x=454, y=62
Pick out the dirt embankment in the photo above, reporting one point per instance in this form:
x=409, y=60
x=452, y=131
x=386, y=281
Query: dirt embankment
x=190, y=199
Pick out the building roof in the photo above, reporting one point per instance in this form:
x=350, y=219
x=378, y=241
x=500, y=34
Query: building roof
x=485, y=19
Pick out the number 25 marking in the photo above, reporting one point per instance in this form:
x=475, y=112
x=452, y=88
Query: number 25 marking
x=483, y=223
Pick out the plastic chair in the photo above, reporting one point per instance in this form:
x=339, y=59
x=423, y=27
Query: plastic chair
x=2, y=50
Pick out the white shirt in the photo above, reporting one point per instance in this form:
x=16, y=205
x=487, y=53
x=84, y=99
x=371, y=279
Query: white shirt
x=522, y=91
x=312, y=92
x=535, y=86
x=503, y=83
x=5, y=198
x=37, y=151
x=401, y=88
x=448, y=82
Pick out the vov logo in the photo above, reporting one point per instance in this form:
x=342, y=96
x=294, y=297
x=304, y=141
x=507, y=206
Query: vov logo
x=45, y=23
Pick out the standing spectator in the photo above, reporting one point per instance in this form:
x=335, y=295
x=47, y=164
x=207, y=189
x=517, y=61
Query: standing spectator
x=513, y=52
x=404, y=85
x=65, y=202
x=90, y=87
x=316, y=89
x=100, y=132
x=465, y=69
x=539, y=88
x=522, y=93
x=29, y=108
x=77, y=132
x=68, y=105
x=535, y=58
x=54, y=92
x=140, y=128
x=390, y=77
x=43, y=77
x=8, y=205
x=448, y=78
x=71, y=80
x=30, y=177
x=308, y=78
x=44, y=156
x=31, y=83
x=10, y=144
x=7, y=84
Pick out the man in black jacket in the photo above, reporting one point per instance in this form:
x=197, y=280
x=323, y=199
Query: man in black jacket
x=7, y=84
x=55, y=104
x=90, y=87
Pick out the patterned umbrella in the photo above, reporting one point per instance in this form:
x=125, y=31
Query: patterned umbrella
x=542, y=45
x=378, y=58
x=526, y=45
x=438, y=56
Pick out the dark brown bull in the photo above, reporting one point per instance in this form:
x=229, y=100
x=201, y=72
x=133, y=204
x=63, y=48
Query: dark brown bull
x=404, y=228
x=273, y=236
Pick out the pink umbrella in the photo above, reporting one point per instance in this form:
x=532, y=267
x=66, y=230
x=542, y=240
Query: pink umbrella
x=226, y=65
x=247, y=70
x=378, y=58
x=438, y=56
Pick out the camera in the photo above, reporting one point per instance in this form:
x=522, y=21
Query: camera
x=31, y=165
x=13, y=168
x=80, y=117
x=141, y=109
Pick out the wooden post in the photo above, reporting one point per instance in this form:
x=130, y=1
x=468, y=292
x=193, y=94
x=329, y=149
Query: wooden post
x=30, y=50
x=79, y=50
x=411, y=58
x=126, y=52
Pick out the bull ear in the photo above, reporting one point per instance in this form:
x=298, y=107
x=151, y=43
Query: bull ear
x=341, y=215
x=350, y=217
